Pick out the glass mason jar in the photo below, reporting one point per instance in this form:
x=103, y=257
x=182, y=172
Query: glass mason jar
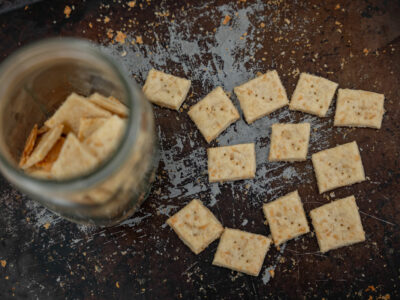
x=33, y=83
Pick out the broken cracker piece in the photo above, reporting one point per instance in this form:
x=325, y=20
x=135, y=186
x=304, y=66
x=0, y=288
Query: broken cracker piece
x=110, y=104
x=231, y=163
x=72, y=110
x=313, y=95
x=89, y=125
x=289, y=142
x=213, y=114
x=106, y=138
x=74, y=159
x=29, y=145
x=261, y=96
x=358, y=108
x=286, y=218
x=44, y=145
x=338, y=166
x=241, y=251
x=337, y=224
x=166, y=90
x=47, y=163
x=196, y=226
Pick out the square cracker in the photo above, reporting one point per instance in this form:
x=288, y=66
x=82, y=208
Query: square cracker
x=358, y=108
x=313, y=95
x=72, y=110
x=289, y=142
x=44, y=145
x=337, y=224
x=110, y=104
x=196, y=226
x=213, y=114
x=241, y=251
x=166, y=90
x=338, y=166
x=74, y=159
x=231, y=163
x=89, y=125
x=286, y=218
x=106, y=138
x=261, y=96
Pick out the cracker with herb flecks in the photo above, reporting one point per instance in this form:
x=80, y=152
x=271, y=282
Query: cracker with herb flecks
x=313, y=95
x=196, y=226
x=286, y=218
x=110, y=104
x=231, y=163
x=356, y=108
x=166, y=90
x=261, y=96
x=289, y=142
x=241, y=251
x=72, y=110
x=337, y=224
x=213, y=114
x=338, y=166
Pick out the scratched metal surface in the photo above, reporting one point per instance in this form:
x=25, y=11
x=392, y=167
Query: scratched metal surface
x=355, y=44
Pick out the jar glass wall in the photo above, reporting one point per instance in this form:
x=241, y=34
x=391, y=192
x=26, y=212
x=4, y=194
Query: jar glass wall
x=34, y=82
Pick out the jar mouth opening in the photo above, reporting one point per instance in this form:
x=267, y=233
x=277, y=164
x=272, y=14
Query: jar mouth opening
x=127, y=141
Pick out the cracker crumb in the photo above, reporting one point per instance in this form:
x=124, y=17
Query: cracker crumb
x=365, y=51
x=262, y=25
x=3, y=263
x=139, y=40
x=131, y=4
x=90, y=25
x=120, y=37
x=47, y=225
x=337, y=6
x=226, y=20
x=67, y=11
x=106, y=20
x=272, y=273
x=370, y=288
x=110, y=33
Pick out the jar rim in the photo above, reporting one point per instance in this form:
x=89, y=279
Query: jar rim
x=127, y=141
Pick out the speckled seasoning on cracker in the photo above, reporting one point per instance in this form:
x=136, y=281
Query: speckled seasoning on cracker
x=338, y=166
x=166, y=90
x=213, y=114
x=289, y=142
x=196, y=226
x=231, y=163
x=261, y=96
x=313, y=95
x=286, y=218
x=241, y=251
x=337, y=224
x=356, y=108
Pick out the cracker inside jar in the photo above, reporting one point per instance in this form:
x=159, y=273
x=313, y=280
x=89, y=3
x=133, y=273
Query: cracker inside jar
x=77, y=138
